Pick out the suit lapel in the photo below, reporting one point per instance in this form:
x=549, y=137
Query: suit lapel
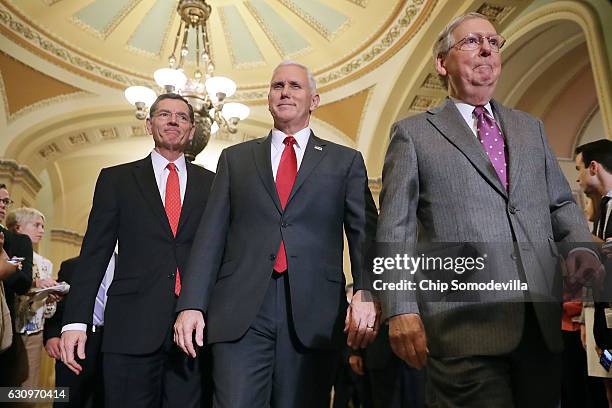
x=313, y=153
x=449, y=122
x=513, y=131
x=145, y=179
x=261, y=153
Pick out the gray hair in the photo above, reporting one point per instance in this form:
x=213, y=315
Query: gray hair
x=445, y=40
x=21, y=216
x=311, y=80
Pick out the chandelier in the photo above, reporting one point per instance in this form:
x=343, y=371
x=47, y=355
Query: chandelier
x=204, y=91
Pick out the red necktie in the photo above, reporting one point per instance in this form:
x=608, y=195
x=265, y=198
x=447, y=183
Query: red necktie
x=285, y=177
x=173, y=210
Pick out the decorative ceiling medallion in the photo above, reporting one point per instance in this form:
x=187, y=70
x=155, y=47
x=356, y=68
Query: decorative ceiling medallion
x=495, y=12
x=433, y=81
x=49, y=151
x=78, y=139
x=421, y=103
x=108, y=133
x=138, y=131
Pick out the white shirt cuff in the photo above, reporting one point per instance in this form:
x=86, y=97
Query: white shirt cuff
x=75, y=326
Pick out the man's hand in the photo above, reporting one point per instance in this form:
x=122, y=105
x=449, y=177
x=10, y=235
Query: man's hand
x=186, y=322
x=362, y=320
x=53, y=348
x=408, y=340
x=584, y=267
x=72, y=339
x=356, y=363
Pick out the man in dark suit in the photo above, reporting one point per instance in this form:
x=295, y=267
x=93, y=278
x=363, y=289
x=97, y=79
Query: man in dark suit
x=152, y=207
x=87, y=387
x=474, y=171
x=17, y=284
x=267, y=271
x=594, y=165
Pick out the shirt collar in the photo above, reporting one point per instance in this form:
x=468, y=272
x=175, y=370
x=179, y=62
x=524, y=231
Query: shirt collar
x=160, y=162
x=467, y=110
x=301, y=138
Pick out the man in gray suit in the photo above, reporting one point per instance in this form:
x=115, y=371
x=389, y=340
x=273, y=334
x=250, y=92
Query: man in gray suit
x=472, y=170
x=266, y=267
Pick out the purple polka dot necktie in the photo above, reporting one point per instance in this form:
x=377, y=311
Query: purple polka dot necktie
x=492, y=141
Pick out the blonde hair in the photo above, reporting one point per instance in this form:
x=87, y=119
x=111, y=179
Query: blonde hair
x=21, y=216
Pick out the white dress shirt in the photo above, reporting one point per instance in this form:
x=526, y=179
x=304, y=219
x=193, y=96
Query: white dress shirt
x=277, y=147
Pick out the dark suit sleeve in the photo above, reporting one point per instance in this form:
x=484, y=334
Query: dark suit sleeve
x=97, y=248
x=359, y=221
x=20, y=245
x=209, y=243
x=53, y=325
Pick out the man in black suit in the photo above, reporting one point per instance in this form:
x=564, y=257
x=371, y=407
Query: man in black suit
x=86, y=388
x=152, y=207
x=17, y=284
x=267, y=269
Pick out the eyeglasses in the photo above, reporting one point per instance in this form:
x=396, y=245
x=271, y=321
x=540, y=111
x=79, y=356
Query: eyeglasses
x=181, y=117
x=6, y=201
x=473, y=41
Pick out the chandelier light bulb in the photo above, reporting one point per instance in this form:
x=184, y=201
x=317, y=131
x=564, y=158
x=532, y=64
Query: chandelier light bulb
x=184, y=51
x=172, y=80
x=235, y=110
x=220, y=86
x=140, y=94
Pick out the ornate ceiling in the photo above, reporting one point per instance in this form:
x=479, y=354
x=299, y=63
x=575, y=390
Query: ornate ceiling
x=122, y=42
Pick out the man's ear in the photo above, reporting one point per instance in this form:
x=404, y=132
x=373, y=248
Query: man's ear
x=441, y=65
x=148, y=125
x=314, y=102
x=593, y=168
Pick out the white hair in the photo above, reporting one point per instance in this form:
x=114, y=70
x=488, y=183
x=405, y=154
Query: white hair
x=311, y=80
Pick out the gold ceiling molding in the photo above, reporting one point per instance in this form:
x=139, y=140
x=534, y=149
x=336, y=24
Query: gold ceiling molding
x=361, y=3
x=369, y=57
x=19, y=174
x=433, y=81
x=314, y=23
x=15, y=27
x=415, y=14
x=113, y=24
x=166, y=38
x=421, y=103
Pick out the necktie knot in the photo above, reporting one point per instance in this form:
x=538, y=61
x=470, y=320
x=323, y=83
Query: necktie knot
x=479, y=111
x=171, y=167
x=289, y=141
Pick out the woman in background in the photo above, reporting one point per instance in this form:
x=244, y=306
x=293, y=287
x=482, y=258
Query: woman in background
x=30, y=316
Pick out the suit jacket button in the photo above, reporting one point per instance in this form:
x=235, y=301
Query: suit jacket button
x=272, y=257
x=171, y=275
x=512, y=209
x=284, y=224
x=513, y=256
